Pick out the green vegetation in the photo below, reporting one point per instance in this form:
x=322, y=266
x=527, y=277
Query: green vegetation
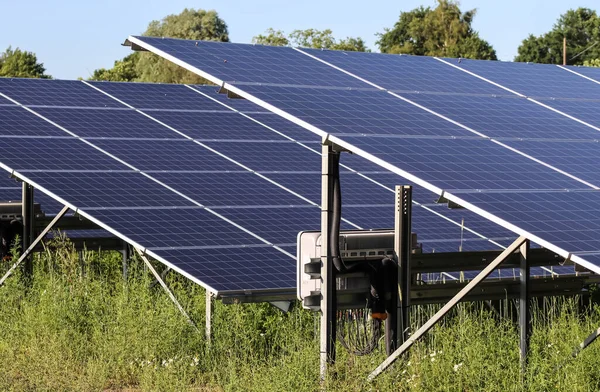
x=18, y=63
x=80, y=326
x=310, y=38
x=443, y=31
x=581, y=27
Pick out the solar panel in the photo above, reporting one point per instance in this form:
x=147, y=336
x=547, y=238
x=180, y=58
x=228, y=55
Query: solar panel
x=241, y=172
x=436, y=150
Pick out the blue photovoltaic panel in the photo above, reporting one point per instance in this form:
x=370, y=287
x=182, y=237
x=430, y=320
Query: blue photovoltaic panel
x=510, y=117
x=533, y=80
x=54, y=154
x=158, y=96
x=252, y=63
x=4, y=101
x=278, y=225
x=406, y=73
x=48, y=92
x=579, y=158
x=570, y=220
x=112, y=189
x=453, y=164
x=285, y=127
x=270, y=155
x=174, y=227
x=107, y=123
x=227, y=269
x=16, y=121
x=356, y=111
x=590, y=72
x=586, y=110
x=229, y=189
x=227, y=125
x=242, y=105
x=169, y=155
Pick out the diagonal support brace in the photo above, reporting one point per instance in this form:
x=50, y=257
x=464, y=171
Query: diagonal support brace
x=446, y=308
x=39, y=238
x=166, y=288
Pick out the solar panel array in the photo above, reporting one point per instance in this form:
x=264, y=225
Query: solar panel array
x=516, y=143
x=216, y=188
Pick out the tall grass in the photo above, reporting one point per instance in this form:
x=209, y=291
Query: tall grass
x=79, y=326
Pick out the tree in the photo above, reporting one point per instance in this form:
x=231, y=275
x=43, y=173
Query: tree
x=21, y=64
x=123, y=71
x=272, y=37
x=592, y=63
x=581, y=28
x=444, y=31
x=148, y=67
x=310, y=38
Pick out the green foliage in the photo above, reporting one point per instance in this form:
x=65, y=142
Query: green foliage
x=581, y=27
x=271, y=37
x=444, y=31
x=148, y=67
x=21, y=64
x=124, y=70
x=80, y=326
x=592, y=63
x=310, y=38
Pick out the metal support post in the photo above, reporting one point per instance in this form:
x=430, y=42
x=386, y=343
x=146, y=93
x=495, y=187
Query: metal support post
x=399, y=314
x=448, y=306
x=28, y=227
x=166, y=288
x=29, y=249
x=403, y=250
x=209, y=311
x=126, y=255
x=525, y=326
x=328, y=301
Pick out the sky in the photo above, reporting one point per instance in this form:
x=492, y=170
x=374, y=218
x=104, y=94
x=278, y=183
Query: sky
x=73, y=38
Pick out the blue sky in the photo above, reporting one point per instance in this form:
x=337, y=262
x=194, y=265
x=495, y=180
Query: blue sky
x=72, y=38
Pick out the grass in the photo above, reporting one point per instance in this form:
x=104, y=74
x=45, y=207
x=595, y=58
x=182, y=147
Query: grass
x=80, y=326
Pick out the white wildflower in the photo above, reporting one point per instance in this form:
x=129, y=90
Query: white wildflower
x=457, y=366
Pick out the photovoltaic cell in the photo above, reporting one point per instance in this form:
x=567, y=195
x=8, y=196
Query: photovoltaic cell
x=270, y=156
x=107, y=123
x=226, y=269
x=252, y=63
x=544, y=214
x=158, y=96
x=229, y=189
x=405, y=73
x=111, y=189
x=47, y=92
x=54, y=154
x=453, y=164
x=167, y=155
x=590, y=72
x=16, y=121
x=586, y=110
x=286, y=127
x=356, y=111
x=174, y=227
x=227, y=125
x=533, y=80
x=241, y=105
x=506, y=117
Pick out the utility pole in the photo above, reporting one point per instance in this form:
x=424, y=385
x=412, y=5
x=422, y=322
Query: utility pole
x=564, y=50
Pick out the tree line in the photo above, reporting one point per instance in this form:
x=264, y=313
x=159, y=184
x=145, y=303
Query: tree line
x=443, y=31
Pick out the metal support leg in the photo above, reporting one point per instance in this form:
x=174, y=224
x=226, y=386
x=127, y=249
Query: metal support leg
x=126, y=255
x=448, y=306
x=403, y=250
x=29, y=249
x=524, y=306
x=28, y=225
x=328, y=301
x=209, y=311
x=166, y=288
